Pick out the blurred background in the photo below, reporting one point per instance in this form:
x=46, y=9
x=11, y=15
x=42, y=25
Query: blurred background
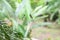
x=29, y=19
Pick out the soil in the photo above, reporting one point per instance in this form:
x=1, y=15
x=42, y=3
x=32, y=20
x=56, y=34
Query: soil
x=43, y=33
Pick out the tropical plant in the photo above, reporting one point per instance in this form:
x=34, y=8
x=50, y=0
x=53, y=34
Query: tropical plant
x=18, y=17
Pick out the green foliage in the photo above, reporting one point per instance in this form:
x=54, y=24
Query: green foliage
x=20, y=12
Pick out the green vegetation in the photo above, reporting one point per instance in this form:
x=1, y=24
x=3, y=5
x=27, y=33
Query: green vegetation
x=19, y=17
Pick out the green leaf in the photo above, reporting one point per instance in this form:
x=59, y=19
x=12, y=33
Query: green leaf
x=7, y=6
x=17, y=28
x=41, y=24
x=19, y=8
x=40, y=11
